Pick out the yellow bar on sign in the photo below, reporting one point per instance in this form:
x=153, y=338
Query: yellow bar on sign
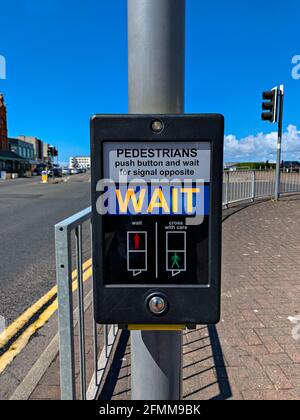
x=155, y=327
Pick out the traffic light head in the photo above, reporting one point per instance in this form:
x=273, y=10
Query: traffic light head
x=269, y=105
x=268, y=95
x=52, y=152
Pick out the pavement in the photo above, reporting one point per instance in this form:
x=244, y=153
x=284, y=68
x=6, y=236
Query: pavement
x=254, y=352
x=251, y=353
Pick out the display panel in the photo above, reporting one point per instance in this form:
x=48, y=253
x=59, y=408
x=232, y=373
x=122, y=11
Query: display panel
x=154, y=242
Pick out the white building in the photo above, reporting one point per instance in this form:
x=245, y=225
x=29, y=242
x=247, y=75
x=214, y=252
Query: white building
x=80, y=162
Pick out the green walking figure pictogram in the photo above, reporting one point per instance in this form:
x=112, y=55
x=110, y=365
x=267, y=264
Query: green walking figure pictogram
x=175, y=261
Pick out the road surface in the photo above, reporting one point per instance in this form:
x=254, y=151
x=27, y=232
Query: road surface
x=28, y=212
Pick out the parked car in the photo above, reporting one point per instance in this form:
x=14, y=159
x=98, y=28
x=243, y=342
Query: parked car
x=56, y=172
x=39, y=169
x=75, y=171
x=66, y=171
x=290, y=166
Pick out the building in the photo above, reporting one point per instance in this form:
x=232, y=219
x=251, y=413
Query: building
x=22, y=148
x=3, y=125
x=80, y=162
x=46, y=158
x=10, y=162
x=230, y=166
x=18, y=155
x=37, y=145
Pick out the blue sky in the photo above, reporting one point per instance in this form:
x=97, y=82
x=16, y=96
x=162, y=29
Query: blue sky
x=67, y=60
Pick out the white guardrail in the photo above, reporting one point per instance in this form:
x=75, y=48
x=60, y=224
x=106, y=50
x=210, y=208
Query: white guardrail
x=70, y=235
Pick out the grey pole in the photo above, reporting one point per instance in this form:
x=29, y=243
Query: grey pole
x=156, y=62
x=279, y=141
x=156, y=43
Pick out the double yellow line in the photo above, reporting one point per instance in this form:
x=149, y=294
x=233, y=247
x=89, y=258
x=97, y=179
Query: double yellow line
x=14, y=328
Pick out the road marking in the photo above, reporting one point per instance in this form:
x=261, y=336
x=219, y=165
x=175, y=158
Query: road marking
x=22, y=341
x=39, y=368
x=13, y=328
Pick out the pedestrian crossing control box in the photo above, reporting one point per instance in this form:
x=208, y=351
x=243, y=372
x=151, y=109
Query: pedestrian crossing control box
x=156, y=218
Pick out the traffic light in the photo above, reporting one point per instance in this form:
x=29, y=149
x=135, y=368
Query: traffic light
x=270, y=105
x=50, y=151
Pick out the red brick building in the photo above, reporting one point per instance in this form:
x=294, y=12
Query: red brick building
x=10, y=163
x=3, y=126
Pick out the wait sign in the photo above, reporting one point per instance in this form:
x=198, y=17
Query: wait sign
x=157, y=200
x=154, y=178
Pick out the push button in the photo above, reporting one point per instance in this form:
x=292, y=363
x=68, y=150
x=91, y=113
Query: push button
x=157, y=305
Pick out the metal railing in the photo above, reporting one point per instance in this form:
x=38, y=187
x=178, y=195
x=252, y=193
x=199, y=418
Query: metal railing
x=250, y=185
x=68, y=280
x=237, y=186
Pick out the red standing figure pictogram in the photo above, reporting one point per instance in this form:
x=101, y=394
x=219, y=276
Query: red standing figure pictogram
x=137, y=241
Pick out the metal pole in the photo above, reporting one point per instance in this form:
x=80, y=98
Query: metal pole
x=279, y=141
x=81, y=323
x=227, y=189
x=156, y=42
x=65, y=312
x=253, y=185
x=156, y=61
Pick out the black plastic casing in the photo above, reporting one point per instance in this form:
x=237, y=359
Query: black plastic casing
x=125, y=304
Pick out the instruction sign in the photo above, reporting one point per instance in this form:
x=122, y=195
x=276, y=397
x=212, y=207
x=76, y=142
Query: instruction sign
x=153, y=160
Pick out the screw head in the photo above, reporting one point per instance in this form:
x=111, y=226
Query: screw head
x=157, y=305
x=157, y=126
